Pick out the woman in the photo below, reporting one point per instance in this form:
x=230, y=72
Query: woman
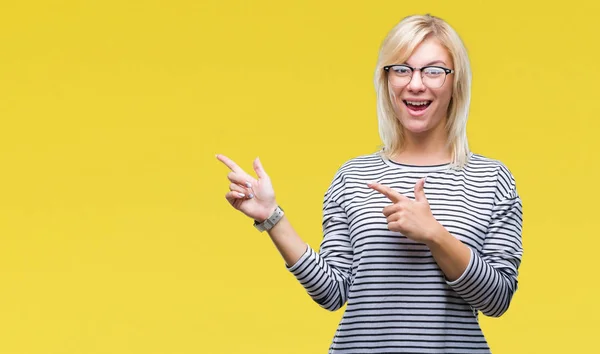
x=420, y=236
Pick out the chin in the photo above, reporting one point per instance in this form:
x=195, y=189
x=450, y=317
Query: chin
x=415, y=126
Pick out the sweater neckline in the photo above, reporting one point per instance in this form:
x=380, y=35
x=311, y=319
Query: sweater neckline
x=416, y=168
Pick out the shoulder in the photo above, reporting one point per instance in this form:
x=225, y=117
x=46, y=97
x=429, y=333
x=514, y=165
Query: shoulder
x=495, y=170
x=355, y=166
x=360, y=163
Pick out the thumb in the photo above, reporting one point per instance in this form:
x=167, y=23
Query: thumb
x=260, y=171
x=419, y=191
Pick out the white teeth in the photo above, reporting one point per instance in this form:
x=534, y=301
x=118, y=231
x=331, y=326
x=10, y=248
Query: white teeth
x=417, y=103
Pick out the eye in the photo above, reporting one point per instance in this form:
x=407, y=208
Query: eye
x=401, y=70
x=433, y=71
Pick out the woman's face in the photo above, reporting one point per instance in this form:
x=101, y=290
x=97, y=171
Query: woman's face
x=420, y=106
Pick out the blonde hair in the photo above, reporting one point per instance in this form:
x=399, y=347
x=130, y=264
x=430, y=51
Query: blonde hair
x=397, y=48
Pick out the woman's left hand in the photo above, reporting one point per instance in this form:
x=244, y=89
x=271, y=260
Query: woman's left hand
x=412, y=218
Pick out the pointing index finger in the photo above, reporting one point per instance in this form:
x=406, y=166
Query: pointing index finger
x=229, y=163
x=387, y=191
x=235, y=168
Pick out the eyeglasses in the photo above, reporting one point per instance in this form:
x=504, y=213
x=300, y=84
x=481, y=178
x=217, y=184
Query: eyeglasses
x=432, y=76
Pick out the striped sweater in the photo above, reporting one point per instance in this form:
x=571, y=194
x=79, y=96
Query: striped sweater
x=398, y=299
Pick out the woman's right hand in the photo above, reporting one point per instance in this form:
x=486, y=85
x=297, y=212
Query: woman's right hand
x=253, y=197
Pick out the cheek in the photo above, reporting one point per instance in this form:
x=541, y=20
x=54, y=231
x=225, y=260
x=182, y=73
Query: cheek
x=395, y=99
x=444, y=103
x=444, y=98
x=395, y=93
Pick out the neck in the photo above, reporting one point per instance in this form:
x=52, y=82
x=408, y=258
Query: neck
x=428, y=148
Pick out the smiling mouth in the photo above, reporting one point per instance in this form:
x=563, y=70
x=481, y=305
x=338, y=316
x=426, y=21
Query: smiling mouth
x=417, y=106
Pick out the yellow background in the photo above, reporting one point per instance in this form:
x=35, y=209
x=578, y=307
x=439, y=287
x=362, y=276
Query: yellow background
x=115, y=236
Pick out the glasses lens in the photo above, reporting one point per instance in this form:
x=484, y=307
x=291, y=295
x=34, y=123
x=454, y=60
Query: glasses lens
x=399, y=75
x=434, y=77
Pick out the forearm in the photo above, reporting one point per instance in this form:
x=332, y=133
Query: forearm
x=483, y=286
x=287, y=241
x=325, y=285
x=451, y=255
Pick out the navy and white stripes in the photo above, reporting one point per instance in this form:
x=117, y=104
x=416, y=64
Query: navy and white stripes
x=398, y=300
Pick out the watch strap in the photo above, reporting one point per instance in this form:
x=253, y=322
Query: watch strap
x=270, y=221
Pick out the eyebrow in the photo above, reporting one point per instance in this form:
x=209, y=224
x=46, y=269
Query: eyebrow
x=431, y=63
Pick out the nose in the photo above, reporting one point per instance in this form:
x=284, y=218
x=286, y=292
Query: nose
x=416, y=82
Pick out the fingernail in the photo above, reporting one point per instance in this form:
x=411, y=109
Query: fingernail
x=241, y=195
x=248, y=184
x=250, y=195
x=370, y=183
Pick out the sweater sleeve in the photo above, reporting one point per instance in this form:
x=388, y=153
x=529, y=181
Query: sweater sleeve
x=326, y=275
x=490, y=279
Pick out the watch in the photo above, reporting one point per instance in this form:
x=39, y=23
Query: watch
x=271, y=220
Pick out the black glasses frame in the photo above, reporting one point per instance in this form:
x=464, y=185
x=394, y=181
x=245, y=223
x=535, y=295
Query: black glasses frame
x=446, y=70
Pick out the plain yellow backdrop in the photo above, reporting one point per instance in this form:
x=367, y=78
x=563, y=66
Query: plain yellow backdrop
x=115, y=234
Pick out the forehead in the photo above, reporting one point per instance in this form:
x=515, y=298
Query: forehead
x=428, y=51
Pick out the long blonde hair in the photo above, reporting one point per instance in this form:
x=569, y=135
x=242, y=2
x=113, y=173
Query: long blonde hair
x=397, y=48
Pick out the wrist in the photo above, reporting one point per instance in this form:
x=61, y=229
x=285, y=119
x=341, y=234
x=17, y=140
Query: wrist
x=437, y=236
x=273, y=219
x=268, y=211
